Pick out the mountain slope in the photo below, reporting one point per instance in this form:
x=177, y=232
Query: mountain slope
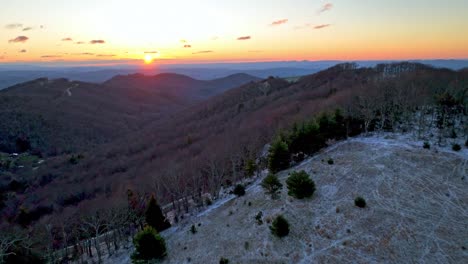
x=415, y=211
x=210, y=140
x=58, y=116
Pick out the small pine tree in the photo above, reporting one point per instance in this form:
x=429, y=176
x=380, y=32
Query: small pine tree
x=280, y=227
x=250, y=168
x=149, y=245
x=279, y=156
x=154, y=216
x=272, y=185
x=193, y=229
x=300, y=185
x=426, y=145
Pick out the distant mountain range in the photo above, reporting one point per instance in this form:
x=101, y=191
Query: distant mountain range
x=11, y=74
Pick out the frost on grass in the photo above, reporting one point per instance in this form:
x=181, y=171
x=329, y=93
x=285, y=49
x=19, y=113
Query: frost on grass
x=416, y=211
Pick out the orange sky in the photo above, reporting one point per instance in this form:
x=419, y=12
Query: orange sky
x=226, y=31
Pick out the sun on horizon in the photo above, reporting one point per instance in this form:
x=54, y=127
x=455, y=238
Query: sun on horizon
x=148, y=59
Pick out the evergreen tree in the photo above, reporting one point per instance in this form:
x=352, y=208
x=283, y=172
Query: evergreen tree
x=279, y=156
x=250, y=168
x=272, y=185
x=280, y=227
x=300, y=185
x=154, y=216
x=149, y=245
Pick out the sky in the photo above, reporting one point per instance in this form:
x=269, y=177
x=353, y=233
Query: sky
x=189, y=31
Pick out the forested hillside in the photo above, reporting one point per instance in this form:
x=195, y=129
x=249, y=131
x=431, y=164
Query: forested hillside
x=215, y=143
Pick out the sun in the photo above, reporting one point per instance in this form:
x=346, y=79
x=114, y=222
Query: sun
x=148, y=58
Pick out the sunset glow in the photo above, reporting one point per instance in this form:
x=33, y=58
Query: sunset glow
x=230, y=31
x=148, y=59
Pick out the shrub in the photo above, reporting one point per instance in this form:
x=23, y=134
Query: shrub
x=427, y=145
x=239, y=190
x=278, y=156
x=331, y=161
x=456, y=147
x=272, y=185
x=223, y=260
x=208, y=202
x=466, y=143
x=300, y=185
x=154, y=216
x=360, y=202
x=193, y=229
x=148, y=245
x=74, y=159
x=280, y=227
x=258, y=218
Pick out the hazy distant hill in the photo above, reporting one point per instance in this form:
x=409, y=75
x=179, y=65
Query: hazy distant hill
x=11, y=74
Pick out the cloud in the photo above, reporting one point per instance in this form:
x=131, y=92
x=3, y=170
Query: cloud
x=67, y=39
x=255, y=51
x=22, y=51
x=20, y=39
x=322, y=26
x=105, y=55
x=203, y=51
x=27, y=28
x=51, y=56
x=326, y=7
x=84, y=53
x=97, y=41
x=80, y=42
x=279, y=22
x=214, y=38
x=14, y=26
x=244, y=38
x=187, y=46
x=151, y=52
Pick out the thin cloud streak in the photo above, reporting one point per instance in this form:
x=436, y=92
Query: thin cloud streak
x=19, y=39
x=97, y=41
x=14, y=26
x=51, y=56
x=203, y=51
x=325, y=8
x=279, y=22
x=322, y=26
x=244, y=38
